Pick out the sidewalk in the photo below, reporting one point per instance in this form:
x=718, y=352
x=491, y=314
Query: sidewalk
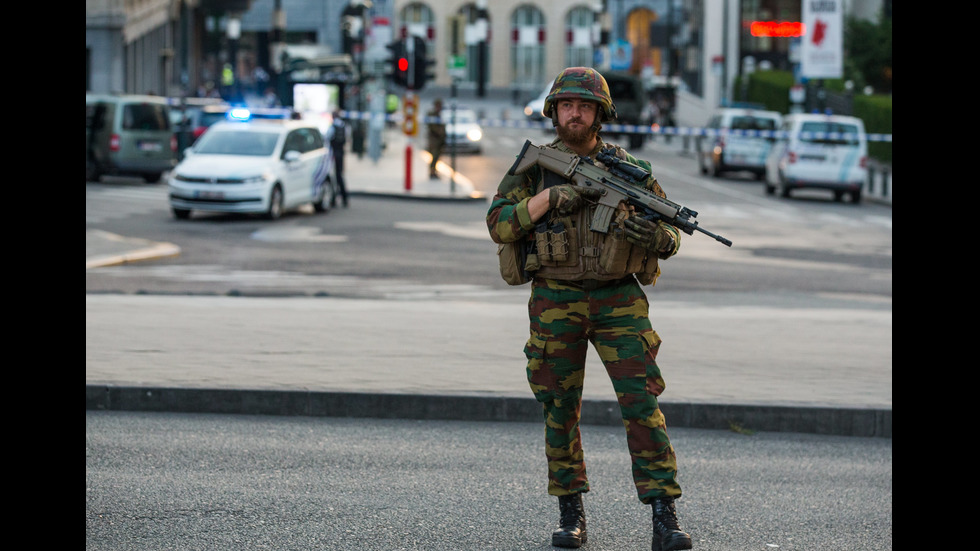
x=461, y=380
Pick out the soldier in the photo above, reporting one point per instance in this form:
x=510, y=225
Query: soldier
x=436, y=136
x=586, y=287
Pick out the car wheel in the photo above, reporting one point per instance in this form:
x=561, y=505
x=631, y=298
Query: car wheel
x=275, y=204
x=320, y=201
x=153, y=177
x=856, y=196
x=182, y=214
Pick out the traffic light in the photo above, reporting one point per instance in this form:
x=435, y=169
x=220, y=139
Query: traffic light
x=421, y=66
x=408, y=65
x=398, y=63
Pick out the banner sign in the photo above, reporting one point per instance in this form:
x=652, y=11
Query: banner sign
x=822, y=50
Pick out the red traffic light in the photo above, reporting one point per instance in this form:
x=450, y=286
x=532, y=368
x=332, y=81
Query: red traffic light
x=402, y=64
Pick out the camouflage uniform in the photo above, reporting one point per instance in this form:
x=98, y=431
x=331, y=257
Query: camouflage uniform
x=567, y=314
x=564, y=317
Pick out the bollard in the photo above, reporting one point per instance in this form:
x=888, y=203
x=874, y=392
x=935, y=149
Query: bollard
x=408, y=166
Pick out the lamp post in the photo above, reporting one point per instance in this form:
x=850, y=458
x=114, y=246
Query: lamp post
x=234, y=30
x=482, y=27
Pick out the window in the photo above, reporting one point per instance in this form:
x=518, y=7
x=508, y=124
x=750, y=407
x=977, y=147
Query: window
x=527, y=52
x=578, y=50
x=819, y=132
x=145, y=116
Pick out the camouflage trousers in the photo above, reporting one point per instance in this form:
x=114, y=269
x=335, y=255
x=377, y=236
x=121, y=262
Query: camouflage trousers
x=564, y=319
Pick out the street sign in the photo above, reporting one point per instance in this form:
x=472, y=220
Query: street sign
x=456, y=66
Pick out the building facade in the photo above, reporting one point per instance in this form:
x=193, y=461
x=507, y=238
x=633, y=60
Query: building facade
x=505, y=48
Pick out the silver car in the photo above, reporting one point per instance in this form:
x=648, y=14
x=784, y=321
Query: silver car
x=463, y=132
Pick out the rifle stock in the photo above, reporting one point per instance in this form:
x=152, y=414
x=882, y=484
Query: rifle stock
x=617, y=184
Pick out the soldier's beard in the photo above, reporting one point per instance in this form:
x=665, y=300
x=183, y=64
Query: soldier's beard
x=580, y=136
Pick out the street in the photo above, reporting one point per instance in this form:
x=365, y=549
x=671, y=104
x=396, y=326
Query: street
x=158, y=481
x=797, y=312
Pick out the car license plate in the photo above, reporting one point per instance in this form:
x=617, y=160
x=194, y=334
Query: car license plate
x=149, y=146
x=209, y=195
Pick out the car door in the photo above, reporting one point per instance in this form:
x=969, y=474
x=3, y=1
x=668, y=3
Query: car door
x=301, y=171
x=293, y=169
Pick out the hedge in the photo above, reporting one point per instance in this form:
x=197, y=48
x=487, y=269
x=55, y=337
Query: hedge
x=771, y=88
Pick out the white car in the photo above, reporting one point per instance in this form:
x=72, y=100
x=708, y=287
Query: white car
x=533, y=109
x=463, y=133
x=821, y=152
x=737, y=140
x=257, y=166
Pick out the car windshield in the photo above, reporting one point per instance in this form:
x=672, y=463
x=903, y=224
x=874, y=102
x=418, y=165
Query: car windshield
x=258, y=144
x=834, y=133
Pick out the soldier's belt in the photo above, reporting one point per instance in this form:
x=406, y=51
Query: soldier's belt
x=592, y=284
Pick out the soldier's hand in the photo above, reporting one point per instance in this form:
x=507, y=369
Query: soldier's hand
x=568, y=198
x=657, y=237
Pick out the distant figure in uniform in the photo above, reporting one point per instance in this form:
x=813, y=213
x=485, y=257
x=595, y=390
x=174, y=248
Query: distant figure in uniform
x=337, y=136
x=436, y=136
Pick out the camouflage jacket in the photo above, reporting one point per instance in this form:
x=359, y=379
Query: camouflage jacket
x=508, y=220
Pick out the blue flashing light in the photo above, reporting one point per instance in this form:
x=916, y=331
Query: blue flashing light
x=239, y=114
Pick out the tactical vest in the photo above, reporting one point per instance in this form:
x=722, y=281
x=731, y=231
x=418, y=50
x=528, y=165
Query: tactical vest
x=565, y=248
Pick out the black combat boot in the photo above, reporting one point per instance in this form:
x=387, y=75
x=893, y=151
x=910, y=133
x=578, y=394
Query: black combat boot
x=571, y=527
x=667, y=534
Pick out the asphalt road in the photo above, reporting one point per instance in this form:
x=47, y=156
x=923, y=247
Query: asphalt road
x=163, y=481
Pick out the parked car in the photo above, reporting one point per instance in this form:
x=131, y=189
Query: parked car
x=464, y=135
x=819, y=151
x=737, y=139
x=128, y=135
x=264, y=166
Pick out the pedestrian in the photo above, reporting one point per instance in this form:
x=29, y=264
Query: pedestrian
x=337, y=137
x=436, y=134
x=584, y=290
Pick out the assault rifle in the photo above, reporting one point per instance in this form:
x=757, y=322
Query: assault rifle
x=619, y=181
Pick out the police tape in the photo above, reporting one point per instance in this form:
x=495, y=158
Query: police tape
x=655, y=129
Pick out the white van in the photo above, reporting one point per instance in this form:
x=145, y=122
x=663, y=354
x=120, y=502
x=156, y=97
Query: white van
x=737, y=139
x=819, y=151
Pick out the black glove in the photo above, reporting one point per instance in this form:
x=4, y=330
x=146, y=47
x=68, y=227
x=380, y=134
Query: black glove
x=654, y=236
x=568, y=198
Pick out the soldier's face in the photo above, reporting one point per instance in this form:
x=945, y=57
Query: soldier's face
x=575, y=118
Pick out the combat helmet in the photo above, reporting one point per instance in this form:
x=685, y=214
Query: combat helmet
x=582, y=83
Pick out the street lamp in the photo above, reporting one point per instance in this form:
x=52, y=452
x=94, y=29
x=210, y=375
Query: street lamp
x=234, y=31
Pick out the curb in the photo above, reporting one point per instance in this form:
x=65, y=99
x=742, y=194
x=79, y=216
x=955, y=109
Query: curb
x=860, y=422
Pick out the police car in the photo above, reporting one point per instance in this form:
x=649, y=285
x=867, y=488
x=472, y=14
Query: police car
x=819, y=151
x=737, y=139
x=252, y=165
